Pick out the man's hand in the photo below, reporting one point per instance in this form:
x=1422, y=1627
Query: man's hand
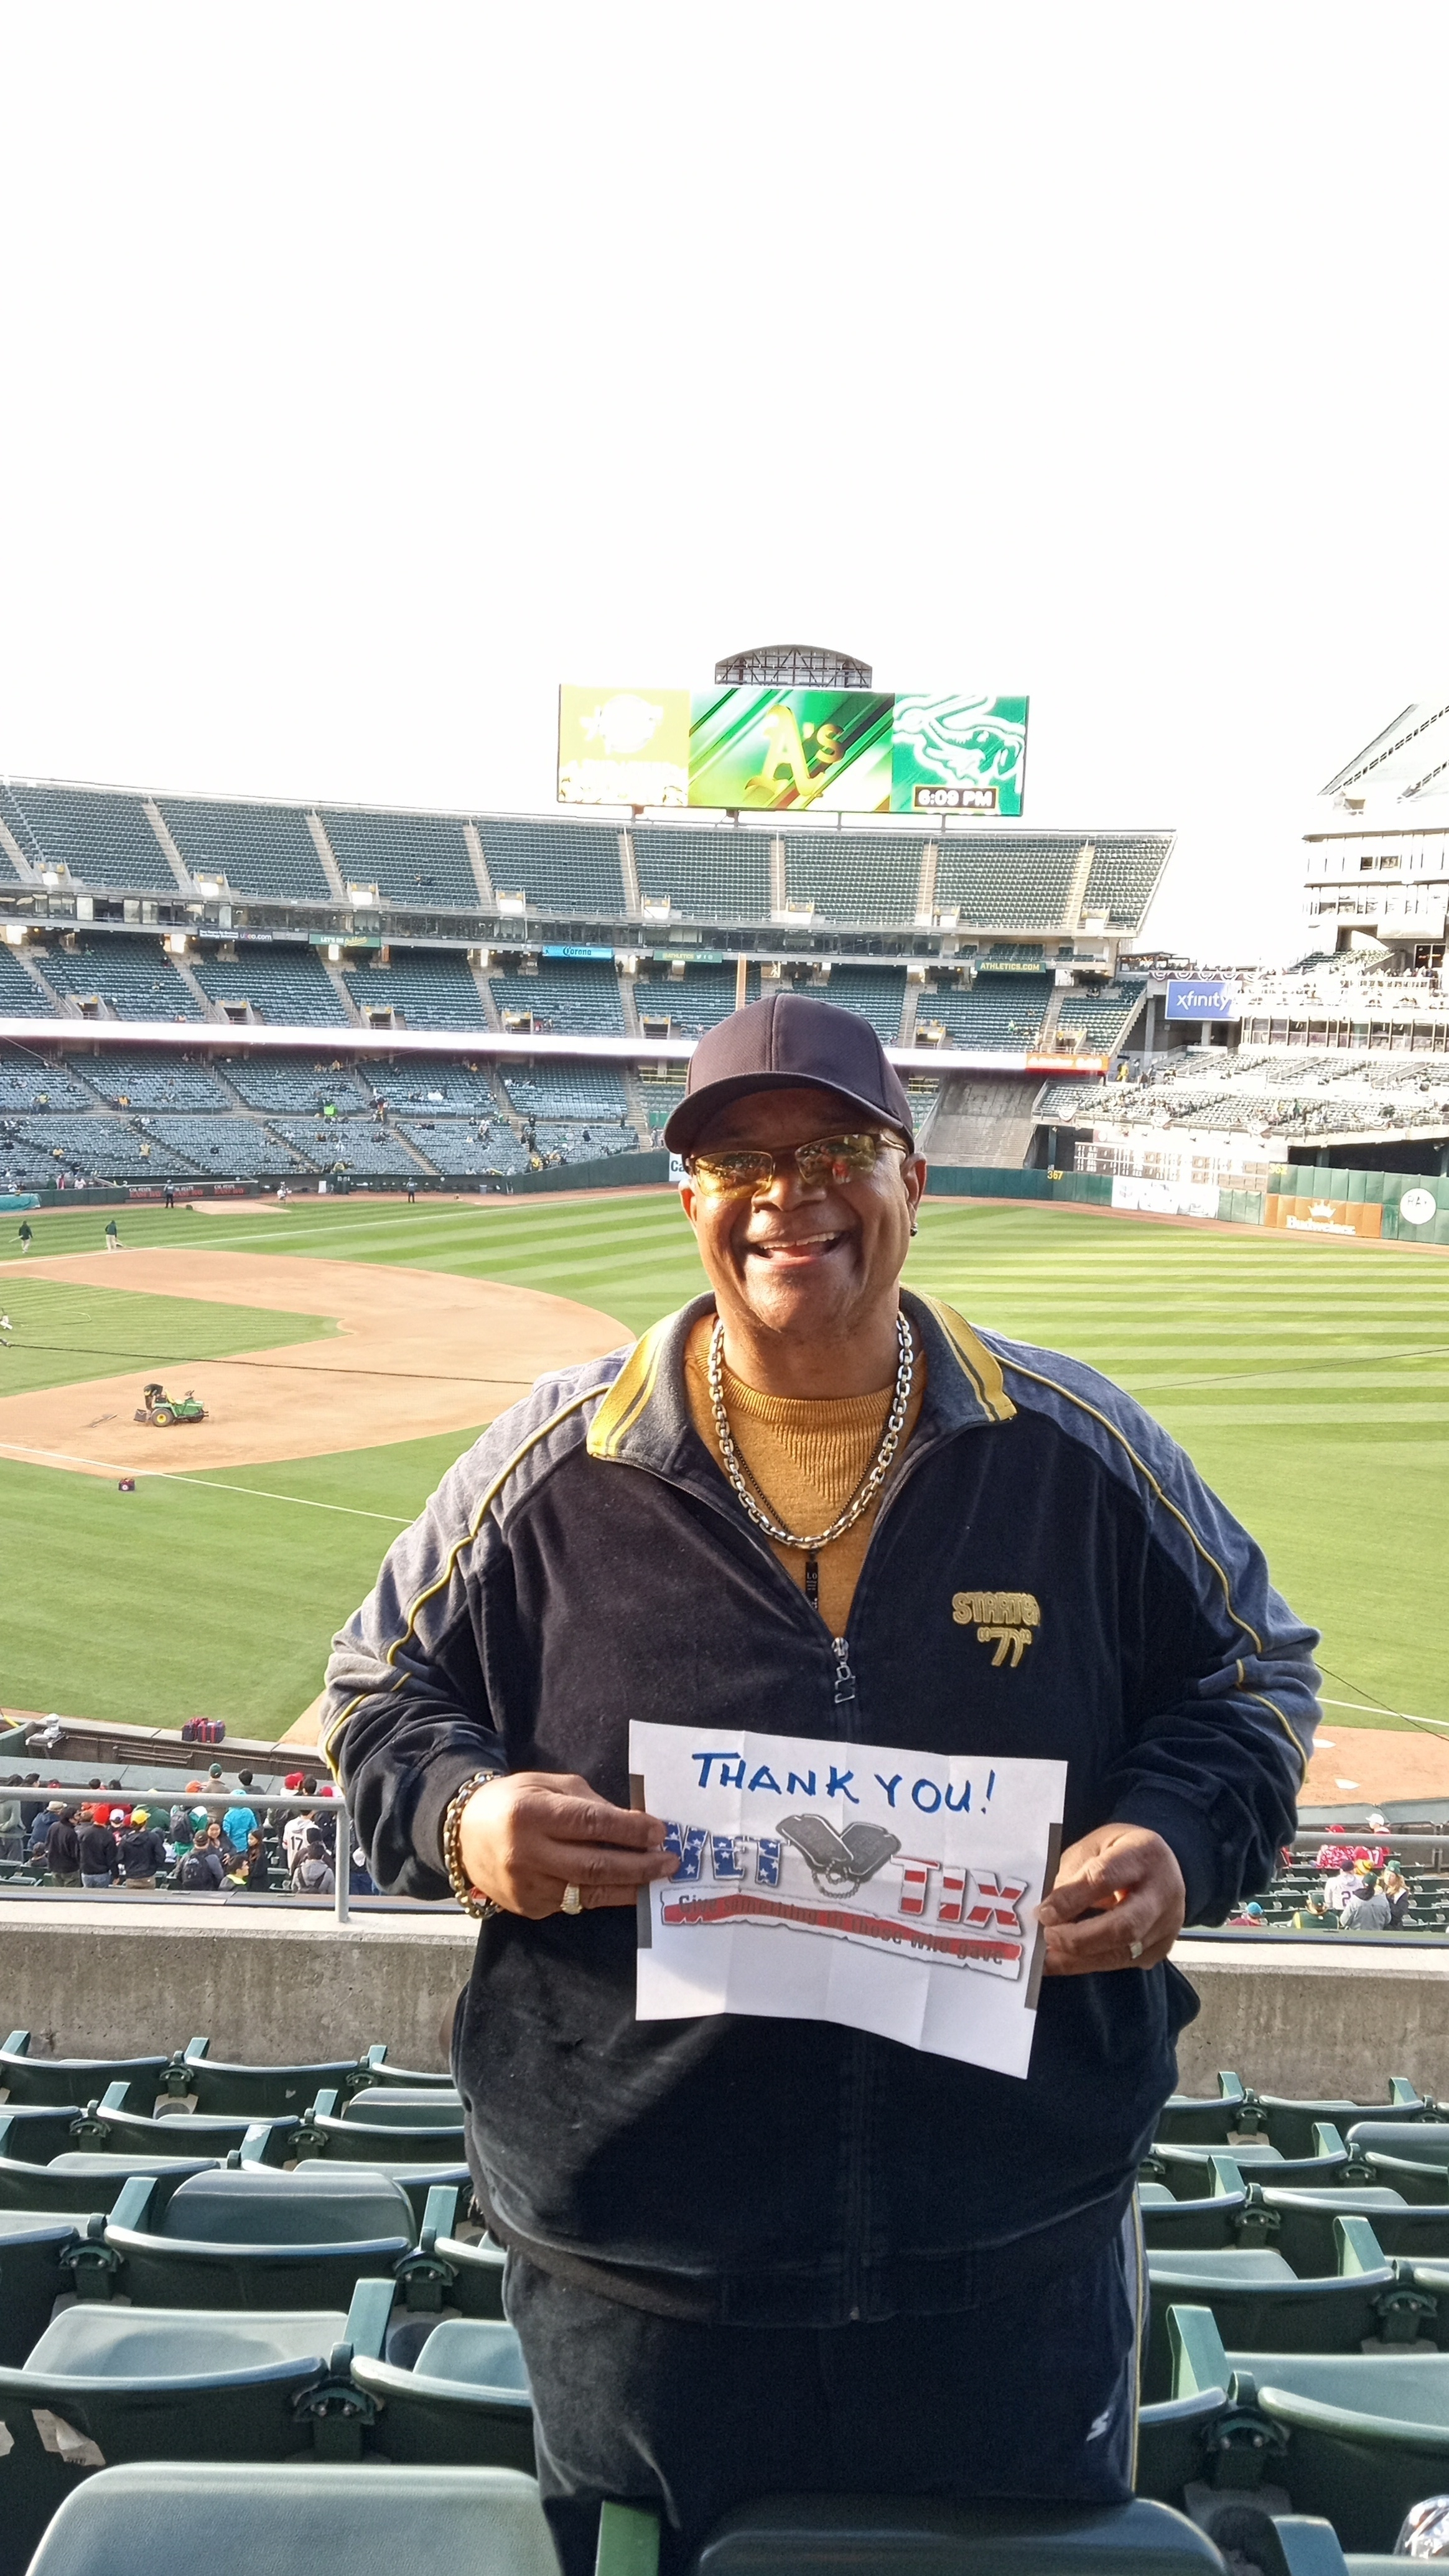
x=528, y=1835
x=1118, y=1902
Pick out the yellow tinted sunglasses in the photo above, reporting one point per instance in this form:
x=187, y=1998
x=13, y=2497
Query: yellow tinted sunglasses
x=732, y=1171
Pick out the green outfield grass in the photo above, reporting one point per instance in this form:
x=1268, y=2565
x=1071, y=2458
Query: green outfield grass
x=1309, y=1380
x=62, y=1330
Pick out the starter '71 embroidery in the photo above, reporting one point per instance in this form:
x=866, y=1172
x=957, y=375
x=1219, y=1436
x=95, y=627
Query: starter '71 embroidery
x=1005, y=1620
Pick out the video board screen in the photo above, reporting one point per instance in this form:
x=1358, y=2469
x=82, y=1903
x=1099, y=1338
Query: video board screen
x=858, y=751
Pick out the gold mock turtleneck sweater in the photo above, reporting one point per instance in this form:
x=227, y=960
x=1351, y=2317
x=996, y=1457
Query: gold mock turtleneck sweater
x=803, y=1457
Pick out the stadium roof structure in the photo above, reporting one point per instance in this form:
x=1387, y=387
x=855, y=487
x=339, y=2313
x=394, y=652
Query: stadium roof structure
x=1408, y=761
x=807, y=666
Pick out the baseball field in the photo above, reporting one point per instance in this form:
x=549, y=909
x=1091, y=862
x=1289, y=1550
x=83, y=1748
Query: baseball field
x=346, y=1352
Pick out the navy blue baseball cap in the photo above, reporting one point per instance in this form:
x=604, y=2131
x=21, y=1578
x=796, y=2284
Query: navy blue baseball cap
x=789, y=1043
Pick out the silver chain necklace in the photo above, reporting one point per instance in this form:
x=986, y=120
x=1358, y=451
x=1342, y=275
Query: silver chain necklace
x=870, y=1485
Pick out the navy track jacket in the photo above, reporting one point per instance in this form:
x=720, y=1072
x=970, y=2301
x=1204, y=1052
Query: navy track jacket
x=587, y=1564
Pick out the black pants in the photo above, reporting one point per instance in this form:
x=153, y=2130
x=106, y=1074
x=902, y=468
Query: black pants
x=1033, y=2397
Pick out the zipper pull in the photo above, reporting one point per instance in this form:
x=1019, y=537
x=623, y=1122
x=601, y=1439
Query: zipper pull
x=844, y=1677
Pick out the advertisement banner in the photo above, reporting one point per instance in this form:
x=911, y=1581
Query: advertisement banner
x=623, y=746
x=891, y=1891
x=1325, y=1216
x=1198, y=1001
x=1165, y=1198
x=782, y=750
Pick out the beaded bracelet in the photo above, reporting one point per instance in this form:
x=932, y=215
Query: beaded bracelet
x=471, y=1898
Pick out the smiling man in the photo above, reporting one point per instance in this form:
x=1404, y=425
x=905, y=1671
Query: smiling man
x=752, y=2255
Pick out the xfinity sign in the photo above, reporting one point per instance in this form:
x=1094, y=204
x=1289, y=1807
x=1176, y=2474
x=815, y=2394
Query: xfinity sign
x=1189, y=1001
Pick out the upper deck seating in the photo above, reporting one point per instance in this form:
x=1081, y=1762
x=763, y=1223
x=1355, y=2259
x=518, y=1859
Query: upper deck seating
x=432, y=990
x=855, y=876
x=412, y=859
x=135, y=976
x=287, y=986
x=711, y=873
x=254, y=849
x=561, y=867
x=566, y=998
x=102, y=839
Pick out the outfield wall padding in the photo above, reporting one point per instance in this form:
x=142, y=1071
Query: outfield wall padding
x=611, y=1172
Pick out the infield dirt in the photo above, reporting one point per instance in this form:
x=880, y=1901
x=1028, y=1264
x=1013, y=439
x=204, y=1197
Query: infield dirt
x=416, y=1352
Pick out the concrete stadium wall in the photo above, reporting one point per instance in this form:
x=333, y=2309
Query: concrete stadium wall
x=1316, y=2022
x=123, y=1976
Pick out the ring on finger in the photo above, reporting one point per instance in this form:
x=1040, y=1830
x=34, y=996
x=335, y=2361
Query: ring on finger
x=573, y=1903
x=1135, y=1953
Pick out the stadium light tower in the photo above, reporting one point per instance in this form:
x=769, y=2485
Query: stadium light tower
x=808, y=666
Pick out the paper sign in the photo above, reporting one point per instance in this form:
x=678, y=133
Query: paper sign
x=855, y=1883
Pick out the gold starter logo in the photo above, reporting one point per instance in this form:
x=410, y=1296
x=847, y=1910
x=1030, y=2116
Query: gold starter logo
x=1004, y=1620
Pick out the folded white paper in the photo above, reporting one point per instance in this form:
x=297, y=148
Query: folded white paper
x=856, y=1883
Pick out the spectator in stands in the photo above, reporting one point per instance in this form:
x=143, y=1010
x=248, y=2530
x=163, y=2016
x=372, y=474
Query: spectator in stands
x=142, y=1850
x=97, y=1848
x=240, y=1819
x=35, y=1848
x=200, y=1872
x=312, y=1871
x=298, y=1825
x=1393, y=1887
x=253, y=1869
x=1369, y=1909
x=752, y=2253
x=62, y=1851
x=1315, y=1917
x=12, y=1828
x=1250, y=1917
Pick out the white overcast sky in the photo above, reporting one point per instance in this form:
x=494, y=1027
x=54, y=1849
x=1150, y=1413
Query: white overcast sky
x=368, y=370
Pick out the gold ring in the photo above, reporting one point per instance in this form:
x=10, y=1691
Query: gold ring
x=573, y=1903
x=1134, y=1953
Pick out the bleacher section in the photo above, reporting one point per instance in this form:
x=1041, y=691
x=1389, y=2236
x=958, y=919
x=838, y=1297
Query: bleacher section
x=20, y=996
x=103, y=840
x=586, y=1092
x=574, y=1143
x=228, y=1149
x=433, y=1090
x=1100, y=1016
x=255, y=849
x=130, y=1078
x=424, y=991
x=412, y=859
x=876, y=996
x=460, y=1151
x=103, y=1149
x=660, y=1099
x=998, y=1011
x=709, y=874
x=567, y=998
x=560, y=867
x=294, y=1082
x=854, y=876
x=355, y=1143
x=691, y=1002
x=288, y=986
x=1124, y=875
x=997, y=879
x=27, y=1083
x=134, y=976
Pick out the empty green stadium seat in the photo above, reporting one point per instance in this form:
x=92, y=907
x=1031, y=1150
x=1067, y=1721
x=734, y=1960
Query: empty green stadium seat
x=31, y=2276
x=250, y=2238
x=138, y=2383
x=1420, y=2142
x=172, y=2516
x=325, y=2132
x=1172, y=2442
x=1261, y=2305
x=384, y=2106
x=1300, y=2223
x=1255, y=2160
x=1208, y=2120
x=1358, y=2437
x=921, y=2536
x=1169, y=2222
x=380, y=2070
x=1289, y=2124
x=118, y=2131
x=465, y=2399
x=38, y=2080
x=83, y=2181
x=257, y=2092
